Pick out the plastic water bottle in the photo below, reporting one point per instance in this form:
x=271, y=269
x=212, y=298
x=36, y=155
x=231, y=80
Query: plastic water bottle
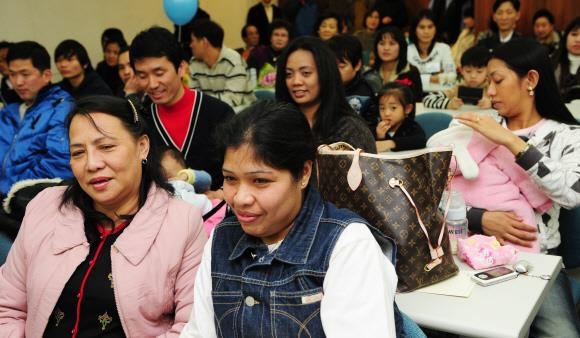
x=253, y=83
x=456, y=221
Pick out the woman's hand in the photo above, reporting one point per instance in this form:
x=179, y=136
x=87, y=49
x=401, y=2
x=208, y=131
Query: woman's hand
x=132, y=86
x=507, y=226
x=490, y=128
x=382, y=129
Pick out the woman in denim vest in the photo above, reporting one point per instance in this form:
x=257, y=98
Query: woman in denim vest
x=287, y=264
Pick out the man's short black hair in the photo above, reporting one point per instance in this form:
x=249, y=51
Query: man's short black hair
x=69, y=48
x=156, y=42
x=346, y=47
x=210, y=30
x=29, y=50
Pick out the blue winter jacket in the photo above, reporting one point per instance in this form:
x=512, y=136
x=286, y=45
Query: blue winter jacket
x=36, y=146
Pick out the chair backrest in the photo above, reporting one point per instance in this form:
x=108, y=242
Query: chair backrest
x=433, y=122
x=265, y=94
x=570, y=233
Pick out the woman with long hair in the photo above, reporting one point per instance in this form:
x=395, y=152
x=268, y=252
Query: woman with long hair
x=544, y=139
x=390, y=48
x=567, y=73
x=307, y=79
x=433, y=58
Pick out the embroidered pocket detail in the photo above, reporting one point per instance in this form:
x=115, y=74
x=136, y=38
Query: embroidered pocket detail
x=317, y=297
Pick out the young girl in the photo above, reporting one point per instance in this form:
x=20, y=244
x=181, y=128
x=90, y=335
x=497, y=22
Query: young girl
x=397, y=129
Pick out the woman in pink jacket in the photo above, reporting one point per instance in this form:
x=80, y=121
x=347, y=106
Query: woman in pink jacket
x=112, y=254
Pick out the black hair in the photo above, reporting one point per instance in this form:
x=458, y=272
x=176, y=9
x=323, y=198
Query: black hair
x=280, y=23
x=29, y=50
x=368, y=14
x=210, y=30
x=497, y=3
x=70, y=48
x=152, y=171
x=333, y=104
x=112, y=34
x=330, y=15
x=564, y=61
x=396, y=34
x=543, y=13
x=124, y=49
x=547, y=98
x=476, y=56
x=156, y=42
x=277, y=132
x=423, y=14
x=402, y=92
x=346, y=47
x=244, y=32
x=5, y=44
x=119, y=41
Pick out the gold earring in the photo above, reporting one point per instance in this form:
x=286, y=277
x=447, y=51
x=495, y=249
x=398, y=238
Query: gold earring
x=530, y=91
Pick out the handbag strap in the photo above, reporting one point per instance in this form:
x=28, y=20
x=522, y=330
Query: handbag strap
x=215, y=209
x=437, y=251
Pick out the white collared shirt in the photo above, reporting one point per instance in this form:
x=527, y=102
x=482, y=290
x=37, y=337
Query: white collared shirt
x=269, y=11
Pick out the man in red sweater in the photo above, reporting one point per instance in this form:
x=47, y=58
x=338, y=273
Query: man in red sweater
x=183, y=118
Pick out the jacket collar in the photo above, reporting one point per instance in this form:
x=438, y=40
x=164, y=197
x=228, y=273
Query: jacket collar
x=296, y=247
x=136, y=239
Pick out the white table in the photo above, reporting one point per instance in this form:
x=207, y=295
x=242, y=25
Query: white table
x=503, y=310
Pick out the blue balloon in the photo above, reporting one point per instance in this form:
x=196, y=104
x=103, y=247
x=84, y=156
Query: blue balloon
x=180, y=12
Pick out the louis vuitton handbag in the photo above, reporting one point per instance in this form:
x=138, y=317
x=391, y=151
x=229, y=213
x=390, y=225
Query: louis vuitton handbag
x=399, y=194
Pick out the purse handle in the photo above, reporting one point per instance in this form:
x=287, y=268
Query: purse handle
x=354, y=178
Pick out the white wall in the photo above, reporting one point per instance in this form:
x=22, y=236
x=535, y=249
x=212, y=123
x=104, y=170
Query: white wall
x=51, y=21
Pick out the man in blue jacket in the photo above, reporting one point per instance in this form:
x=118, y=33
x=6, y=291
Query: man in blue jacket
x=33, y=137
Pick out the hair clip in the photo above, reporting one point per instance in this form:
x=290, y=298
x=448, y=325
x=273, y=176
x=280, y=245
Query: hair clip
x=135, y=115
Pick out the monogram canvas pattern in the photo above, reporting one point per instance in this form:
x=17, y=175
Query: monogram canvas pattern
x=424, y=177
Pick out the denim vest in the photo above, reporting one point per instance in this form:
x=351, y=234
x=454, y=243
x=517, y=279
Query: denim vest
x=277, y=294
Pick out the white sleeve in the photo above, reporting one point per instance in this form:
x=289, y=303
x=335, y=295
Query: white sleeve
x=359, y=288
x=413, y=55
x=447, y=58
x=201, y=320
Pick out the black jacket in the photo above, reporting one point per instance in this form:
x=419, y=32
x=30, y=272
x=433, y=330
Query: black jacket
x=200, y=153
x=257, y=17
x=92, y=85
x=409, y=136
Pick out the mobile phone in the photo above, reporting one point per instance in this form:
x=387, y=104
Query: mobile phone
x=469, y=95
x=493, y=276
